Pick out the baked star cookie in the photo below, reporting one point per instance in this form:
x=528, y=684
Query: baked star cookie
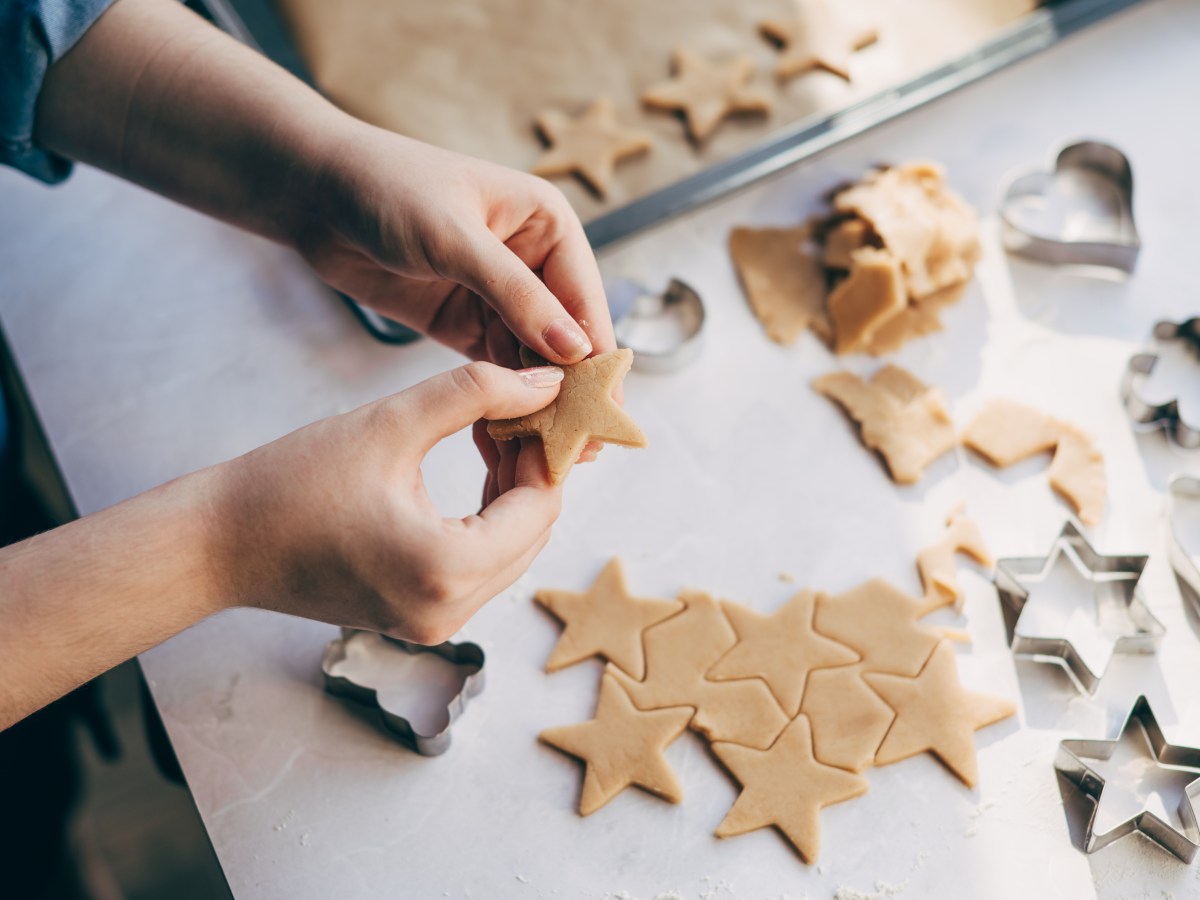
x=781, y=648
x=786, y=787
x=816, y=37
x=589, y=145
x=706, y=92
x=604, y=621
x=622, y=745
x=935, y=713
x=583, y=411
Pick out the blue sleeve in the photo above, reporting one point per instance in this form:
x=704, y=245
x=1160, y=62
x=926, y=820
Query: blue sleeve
x=34, y=34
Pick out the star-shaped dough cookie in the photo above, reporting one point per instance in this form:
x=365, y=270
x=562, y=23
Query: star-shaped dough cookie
x=604, y=621
x=678, y=653
x=848, y=719
x=780, y=649
x=878, y=621
x=816, y=37
x=583, y=411
x=589, y=145
x=935, y=713
x=786, y=787
x=621, y=746
x=706, y=92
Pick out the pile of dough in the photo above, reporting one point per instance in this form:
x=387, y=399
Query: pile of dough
x=897, y=248
x=795, y=703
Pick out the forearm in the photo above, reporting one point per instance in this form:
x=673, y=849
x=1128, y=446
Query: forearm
x=78, y=600
x=158, y=96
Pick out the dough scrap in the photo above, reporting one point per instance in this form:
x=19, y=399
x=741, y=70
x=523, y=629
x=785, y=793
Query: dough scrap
x=842, y=240
x=706, y=92
x=1006, y=432
x=780, y=648
x=899, y=416
x=604, y=621
x=918, y=318
x=583, y=411
x=589, y=145
x=935, y=713
x=870, y=295
x=622, y=746
x=784, y=282
x=935, y=564
x=679, y=651
x=879, y=622
x=786, y=787
x=816, y=37
x=848, y=719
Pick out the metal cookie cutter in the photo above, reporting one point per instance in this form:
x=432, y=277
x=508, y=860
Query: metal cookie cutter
x=1151, y=416
x=1069, y=761
x=1187, y=569
x=1075, y=239
x=662, y=329
x=341, y=680
x=1114, y=583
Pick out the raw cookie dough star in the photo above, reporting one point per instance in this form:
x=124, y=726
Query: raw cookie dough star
x=935, y=564
x=816, y=37
x=706, y=92
x=848, y=719
x=621, y=746
x=781, y=649
x=935, y=713
x=678, y=653
x=786, y=787
x=783, y=279
x=589, y=145
x=604, y=621
x=583, y=411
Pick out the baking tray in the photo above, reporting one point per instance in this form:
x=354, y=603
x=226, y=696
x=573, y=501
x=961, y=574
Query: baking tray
x=257, y=23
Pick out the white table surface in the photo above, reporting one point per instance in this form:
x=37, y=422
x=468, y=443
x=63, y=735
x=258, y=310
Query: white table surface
x=154, y=341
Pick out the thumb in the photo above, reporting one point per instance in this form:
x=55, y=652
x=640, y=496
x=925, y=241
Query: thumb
x=440, y=406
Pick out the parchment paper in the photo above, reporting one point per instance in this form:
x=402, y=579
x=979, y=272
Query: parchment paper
x=471, y=75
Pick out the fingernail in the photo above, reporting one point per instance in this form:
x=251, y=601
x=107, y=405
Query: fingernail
x=542, y=376
x=567, y=339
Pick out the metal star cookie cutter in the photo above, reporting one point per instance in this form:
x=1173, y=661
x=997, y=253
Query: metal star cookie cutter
x=1059, y=247
x=1187, y=569
x=1069, y=761
x=464, y=654
x=1152, y=416
x=1114, y=581
x=663, y=330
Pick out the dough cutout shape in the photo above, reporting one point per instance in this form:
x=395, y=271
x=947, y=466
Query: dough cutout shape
x=622, y=746
x=936, y=563
x=706, y=92
x=583, y=411
x=1006, y=432
x=605, y=621
x=935, y=713
x=871, y=295
x=589, y=145
x=816, y=36
x=781, y=272
x=848, y=719
x=785, y=787
x=780, y=648
x=679, y=651
x=898, y=415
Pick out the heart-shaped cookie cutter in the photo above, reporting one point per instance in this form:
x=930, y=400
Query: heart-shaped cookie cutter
x=663, y=330
x=1095, y=158
x=1187, y=569
x=1167, y=415
x=464, y=654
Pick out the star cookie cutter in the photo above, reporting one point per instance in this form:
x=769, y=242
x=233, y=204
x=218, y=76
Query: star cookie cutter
x=1187, y=569
x=340, y=683
x=1114, y=581
x=1069, y=761
x=1070, y=243
x=1152, y=416
x=662, y=329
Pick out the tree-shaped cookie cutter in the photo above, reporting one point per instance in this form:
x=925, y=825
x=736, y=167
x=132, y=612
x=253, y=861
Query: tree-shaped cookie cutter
x=1070, y=762
x=1183, y=560
x=1114, y=579
x=1152, y=416
x=463, y=654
